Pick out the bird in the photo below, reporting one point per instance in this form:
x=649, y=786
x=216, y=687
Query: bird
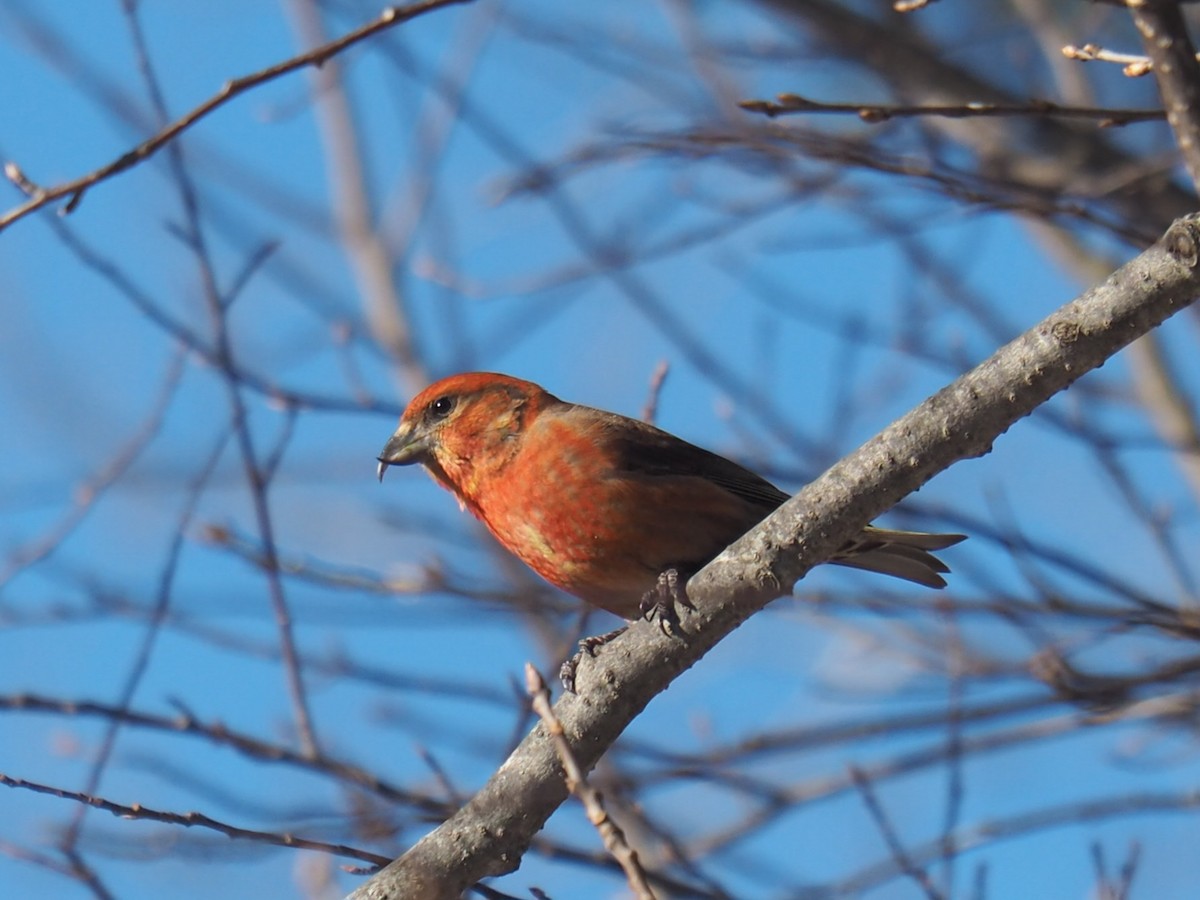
x=610, y=509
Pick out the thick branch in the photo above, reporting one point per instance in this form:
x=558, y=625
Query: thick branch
x=1165, y=36
x=489, y=835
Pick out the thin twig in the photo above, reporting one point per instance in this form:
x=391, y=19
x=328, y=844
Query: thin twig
x=193, y=820
x=1169, y=46
x=158, y=614
x=258, y=476
x=790, y=104
x=955, y=778
x=75, y=189
x=90, y=491
x=989, y=832
x=219, y=734
x=657, y=378
x=385, y=305
x=1135, y=65
x=577, y=784
x=1171, y=407
x=883, y=822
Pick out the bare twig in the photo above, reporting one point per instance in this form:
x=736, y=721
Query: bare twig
x=91, y=490
x=75, y=189
x=993, y=831
x=577, y=784
x=1177, y=71
x=141, y=660
x=884, y=823
x=385, y=305
x=789, y=104
x=1172, y=408
x=217, y=303
x=191, y=820
x=1134, y=64
x=1108, y=887
x=955, y=776
x=657, y=378
x=220, y=734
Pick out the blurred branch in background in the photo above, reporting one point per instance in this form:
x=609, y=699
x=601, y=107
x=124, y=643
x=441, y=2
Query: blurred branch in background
x=75, y=189
x=198, y=369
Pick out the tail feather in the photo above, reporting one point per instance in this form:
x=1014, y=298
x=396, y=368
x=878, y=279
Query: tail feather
x=901, y=554
x=923, y=540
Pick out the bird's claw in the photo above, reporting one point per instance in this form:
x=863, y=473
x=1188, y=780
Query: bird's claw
x=589, y=645
x=661, y=600
x=566, y=672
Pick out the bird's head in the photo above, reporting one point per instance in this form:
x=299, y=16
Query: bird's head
x=462, y=423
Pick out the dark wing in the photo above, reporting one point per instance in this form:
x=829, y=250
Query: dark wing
x=636, y=448
x=642, y=449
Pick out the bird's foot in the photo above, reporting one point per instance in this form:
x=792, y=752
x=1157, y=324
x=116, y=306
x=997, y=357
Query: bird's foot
x=589, y=645
x=661, y=600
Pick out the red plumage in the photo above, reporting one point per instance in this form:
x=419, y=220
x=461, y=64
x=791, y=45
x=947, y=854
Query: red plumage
x=600, y=504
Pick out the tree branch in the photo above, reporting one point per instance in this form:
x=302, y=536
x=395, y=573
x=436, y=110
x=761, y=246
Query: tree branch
x=490, y=833
x=74, y=190
x=1165, y=36
x=793, y=104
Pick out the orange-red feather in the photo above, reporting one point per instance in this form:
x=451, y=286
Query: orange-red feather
x=600, y=504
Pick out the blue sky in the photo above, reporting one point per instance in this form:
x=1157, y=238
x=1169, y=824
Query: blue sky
x=494, y=278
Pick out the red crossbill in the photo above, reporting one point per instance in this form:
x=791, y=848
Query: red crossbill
x=610, y=509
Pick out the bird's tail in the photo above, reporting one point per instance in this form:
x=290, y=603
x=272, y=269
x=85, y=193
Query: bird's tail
x=901, y=554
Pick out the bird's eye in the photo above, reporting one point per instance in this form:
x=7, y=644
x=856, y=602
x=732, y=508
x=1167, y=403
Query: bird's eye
x=441, y=407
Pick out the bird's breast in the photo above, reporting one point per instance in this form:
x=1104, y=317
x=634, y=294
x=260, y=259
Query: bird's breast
x=599, y=531
x=551, y=505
